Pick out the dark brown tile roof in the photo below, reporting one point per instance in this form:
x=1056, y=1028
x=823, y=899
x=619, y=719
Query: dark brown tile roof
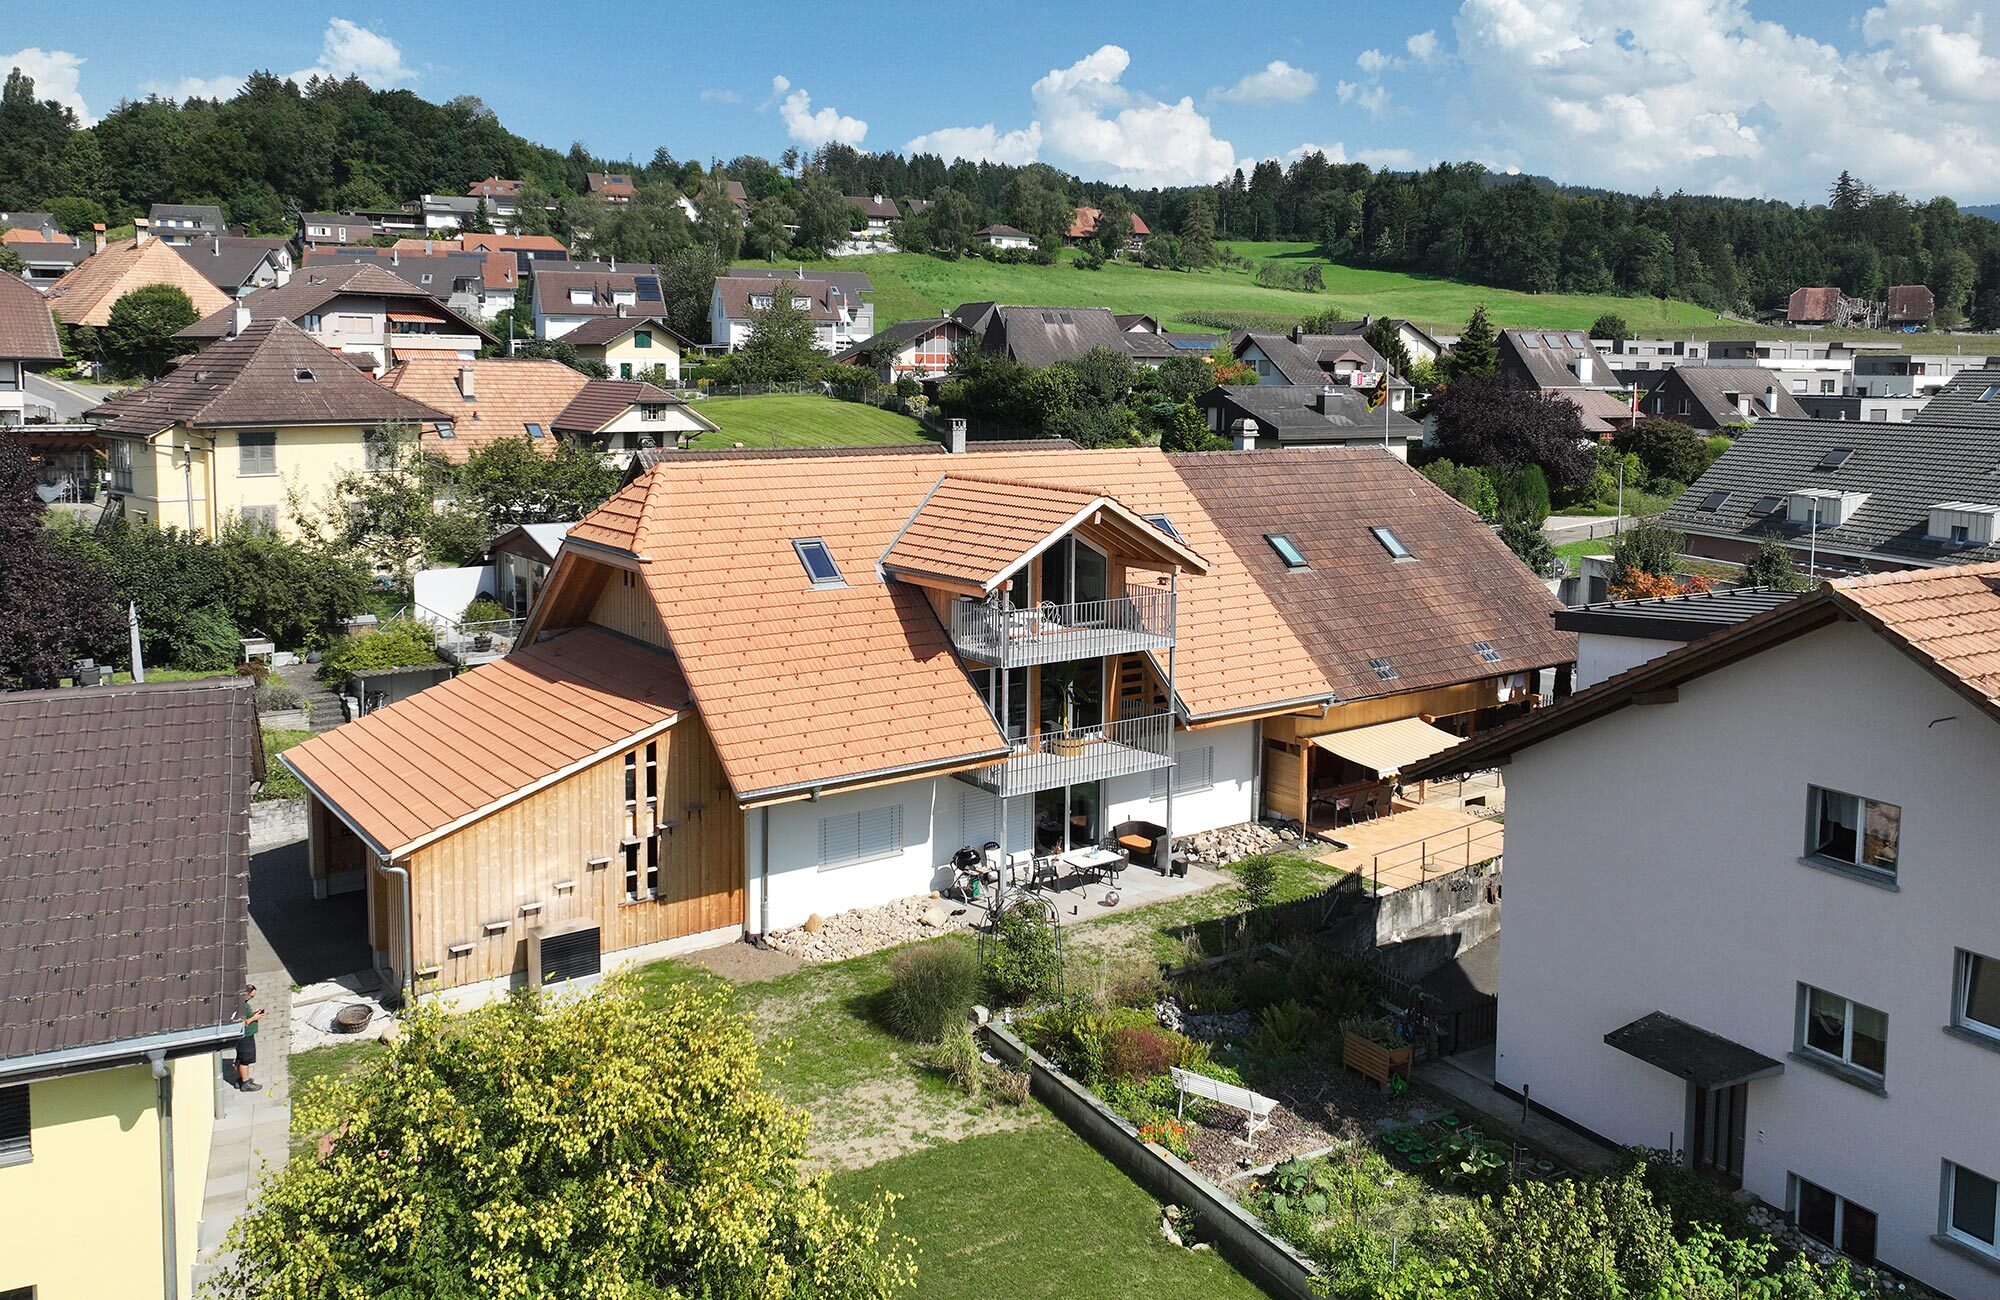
x=254, y=378
x=1911, y=304
x=601, y=401
x=124, y=897
x=737, y=291
x=875, y=206
x=312, y=288
x=27, y=329
x=553, y=285
x=1813, y=304
x=1356, y=602
x=616, y=185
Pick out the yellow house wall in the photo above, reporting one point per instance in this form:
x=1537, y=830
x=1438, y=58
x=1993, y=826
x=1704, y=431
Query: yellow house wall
x=83, y=1216
x=310, y=461
x=664, y=352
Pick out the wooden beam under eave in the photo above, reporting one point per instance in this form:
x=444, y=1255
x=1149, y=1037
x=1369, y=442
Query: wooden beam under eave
x=1664, y=695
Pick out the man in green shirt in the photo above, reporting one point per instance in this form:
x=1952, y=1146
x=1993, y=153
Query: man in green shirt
x=246, y=1047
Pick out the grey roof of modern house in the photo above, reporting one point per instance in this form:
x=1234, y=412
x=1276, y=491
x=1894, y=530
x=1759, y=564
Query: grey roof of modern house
x=1042, y=336
x=227, y=261
x=739, y=295
x=1900, y=470
x=1292, y=413
x=1711, y=392
x=1361, y=327
x=903, y=331
x=1547, y=359
x=207, y=216
x=553, y=283
x=313, y=287
x=124, y=872
x=1305, y=359
x=1971, y=397
x=1686, y=617
x=434, y=273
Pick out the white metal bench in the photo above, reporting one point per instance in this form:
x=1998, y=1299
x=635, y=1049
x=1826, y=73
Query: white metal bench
x=1255, y=1106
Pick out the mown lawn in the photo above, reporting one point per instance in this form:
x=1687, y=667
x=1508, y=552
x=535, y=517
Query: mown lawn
x=912, y=285
x=1036, y=1213
x=803, y=420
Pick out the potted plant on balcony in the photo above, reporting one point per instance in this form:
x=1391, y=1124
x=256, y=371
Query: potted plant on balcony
x=1066, y=742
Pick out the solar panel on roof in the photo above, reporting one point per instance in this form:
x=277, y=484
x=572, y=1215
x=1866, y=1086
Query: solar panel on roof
x=648, y=287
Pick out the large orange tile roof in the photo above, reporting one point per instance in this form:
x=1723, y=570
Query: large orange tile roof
x=1947, y=617
x=477, y=742
x=507, y=397
x=85, y=295
x=801, y=685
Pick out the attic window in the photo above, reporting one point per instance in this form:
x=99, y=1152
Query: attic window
x=1289, y=553
x=445, y=429
x=1767, y=505
x=1992, y=390
x=534, y=430
x=1835, y=458
x=1166, y=526
x=1048, y=318
x=1485, y=650
x=1531, y=340
x=818, y=562
x=303, y=376
x=1713, y=502
x=1383, y=669
x=1391, y=543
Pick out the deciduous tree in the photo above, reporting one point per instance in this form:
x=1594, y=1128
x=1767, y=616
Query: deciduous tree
x=1485, y=422
x=138, y=337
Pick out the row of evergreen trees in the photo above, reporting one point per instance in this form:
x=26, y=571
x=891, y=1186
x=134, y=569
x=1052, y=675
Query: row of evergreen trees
x=331, y=144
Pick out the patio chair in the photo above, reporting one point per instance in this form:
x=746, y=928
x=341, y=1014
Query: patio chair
x=1141, y=841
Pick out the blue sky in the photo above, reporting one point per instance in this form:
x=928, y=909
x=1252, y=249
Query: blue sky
x=1757, y=97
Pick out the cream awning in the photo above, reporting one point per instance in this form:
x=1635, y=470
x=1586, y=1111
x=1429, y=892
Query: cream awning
x=1388, y=747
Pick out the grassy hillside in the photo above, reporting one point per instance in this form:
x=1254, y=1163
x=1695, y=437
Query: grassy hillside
x=803, y=420
x=909, y=285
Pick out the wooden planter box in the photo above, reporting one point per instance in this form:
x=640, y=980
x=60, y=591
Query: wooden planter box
x=1373, y=1060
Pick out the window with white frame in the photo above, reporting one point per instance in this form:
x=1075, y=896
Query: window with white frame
x=1831, y=1218
x=17, y=1144
x=1193, y=769
x=1843, y=1032
x=121, y=465
x=848, y=838
x=257, y=454
x=1971, y=1209
x=1975, y=1004
x=1853, y=831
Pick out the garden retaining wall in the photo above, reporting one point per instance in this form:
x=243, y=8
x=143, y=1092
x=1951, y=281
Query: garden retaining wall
x=1272, y=1263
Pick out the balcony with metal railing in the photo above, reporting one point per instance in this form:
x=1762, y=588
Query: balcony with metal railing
x=997, y=633
x=1050, y=759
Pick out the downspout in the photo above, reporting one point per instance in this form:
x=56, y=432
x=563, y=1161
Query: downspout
x=764, y=876
x=406, y=973
x=169, y=1228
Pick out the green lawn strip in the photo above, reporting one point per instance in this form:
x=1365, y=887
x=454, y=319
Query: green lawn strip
x=803, y=420
x=1036, y=1213
x=316, y=1065
x=913, y=285
x=1574, y=551
x=279, y=783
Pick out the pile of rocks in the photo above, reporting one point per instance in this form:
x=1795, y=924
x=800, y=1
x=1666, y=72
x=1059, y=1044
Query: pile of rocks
x=1203, y=1028
x=871, y=929
x=1219, y=848
x=1869, y=1280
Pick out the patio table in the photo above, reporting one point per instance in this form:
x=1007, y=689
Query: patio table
x=1095, y=861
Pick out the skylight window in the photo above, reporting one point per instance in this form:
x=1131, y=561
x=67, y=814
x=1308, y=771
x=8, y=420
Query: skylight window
x=1767, y=505
x=1713, y=502
x=1992, y=391
x=1485, y=650
x=1289, y=553
x=1835, y=458
x=1165, y=525
x=1531, y=340
x=1391, y=543
x=1383, y=669
x=445, y=429
x=303, y=376
x=534, y=430
x=818, y=562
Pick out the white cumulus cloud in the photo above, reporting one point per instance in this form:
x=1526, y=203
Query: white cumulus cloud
x=223, y=87
x=981, y=143
x=1423, y=47
x=1277, y=82
x=827, y=126
x=55, y=76
x=1373, y=98
x=1704, y=96
x=348, y=49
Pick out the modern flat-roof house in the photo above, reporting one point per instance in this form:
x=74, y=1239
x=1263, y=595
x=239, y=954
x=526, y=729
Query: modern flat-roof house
x=85, y=295
x=919, y=349
x=1650, y=354
x=125, y=866
x=544, y=402
x=236, y=430
x=1713, y=398
x=1567, y=364
x=1720, y=942
x=184, y=223
x=1850, y=497
x=362, y=311
x=1264, y=416
x=1906, y=374
x=1614, y=635
x=239, y=264
x=317, y=228
x=630, y=345
x=839, y=318
x=1023, y=647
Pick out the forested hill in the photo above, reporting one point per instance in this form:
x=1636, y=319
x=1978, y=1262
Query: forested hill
x=278, y=146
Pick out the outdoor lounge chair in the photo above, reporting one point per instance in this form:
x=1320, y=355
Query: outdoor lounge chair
x=1140, y=840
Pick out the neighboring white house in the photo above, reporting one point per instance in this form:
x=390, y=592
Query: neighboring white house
x=840, y=317
x=1004, y=237
x=1752, y=916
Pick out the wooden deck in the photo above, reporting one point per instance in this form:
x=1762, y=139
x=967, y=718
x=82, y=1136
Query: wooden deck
x=1416, y=844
